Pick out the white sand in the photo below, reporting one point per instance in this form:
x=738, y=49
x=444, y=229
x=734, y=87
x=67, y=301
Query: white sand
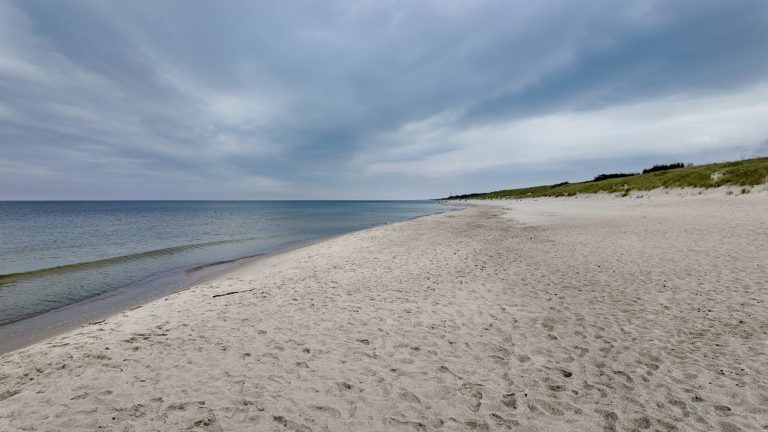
x=552, y=315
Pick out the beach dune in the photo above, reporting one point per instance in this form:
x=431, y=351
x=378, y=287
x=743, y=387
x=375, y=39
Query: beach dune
x=586, y=313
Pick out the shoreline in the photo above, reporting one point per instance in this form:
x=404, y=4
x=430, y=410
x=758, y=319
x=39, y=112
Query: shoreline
x=543, y=314
x=28, y=331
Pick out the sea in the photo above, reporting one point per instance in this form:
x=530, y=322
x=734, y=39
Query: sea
x=65, y=262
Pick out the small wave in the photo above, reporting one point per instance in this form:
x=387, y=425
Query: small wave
x=229, y=261
x=14, y=277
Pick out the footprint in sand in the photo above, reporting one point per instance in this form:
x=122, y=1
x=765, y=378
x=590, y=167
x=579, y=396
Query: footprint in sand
x=409, y=397
x=509, y=400
x=329, y=411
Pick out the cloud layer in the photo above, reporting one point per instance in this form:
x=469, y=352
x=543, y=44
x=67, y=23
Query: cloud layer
x=368, y=99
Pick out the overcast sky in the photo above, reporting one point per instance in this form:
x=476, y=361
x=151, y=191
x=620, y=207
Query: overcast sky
x=369, y=99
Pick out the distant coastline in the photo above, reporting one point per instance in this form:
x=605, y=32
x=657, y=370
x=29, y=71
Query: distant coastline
x=742, y=175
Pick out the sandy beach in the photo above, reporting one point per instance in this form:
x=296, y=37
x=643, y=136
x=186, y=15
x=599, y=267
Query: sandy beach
x=562, y=314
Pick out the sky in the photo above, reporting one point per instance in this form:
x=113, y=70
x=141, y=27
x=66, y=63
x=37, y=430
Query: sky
x=193, y=99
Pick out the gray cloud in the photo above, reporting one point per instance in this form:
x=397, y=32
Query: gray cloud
x=244, y=99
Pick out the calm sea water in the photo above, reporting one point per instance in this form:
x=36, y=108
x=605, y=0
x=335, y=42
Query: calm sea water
x=54, y=254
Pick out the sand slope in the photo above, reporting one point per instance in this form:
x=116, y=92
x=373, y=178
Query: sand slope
x=549, y=315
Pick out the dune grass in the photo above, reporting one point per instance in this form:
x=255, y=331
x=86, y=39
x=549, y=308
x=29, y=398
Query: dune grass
x=743, y=173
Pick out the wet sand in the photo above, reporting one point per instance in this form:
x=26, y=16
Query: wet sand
x=594, y=313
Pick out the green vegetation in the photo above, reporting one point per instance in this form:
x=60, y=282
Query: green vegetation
x=663, y=167
x=748, y=172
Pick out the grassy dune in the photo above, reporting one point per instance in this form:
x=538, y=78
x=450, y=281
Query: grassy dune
x=744, y=173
